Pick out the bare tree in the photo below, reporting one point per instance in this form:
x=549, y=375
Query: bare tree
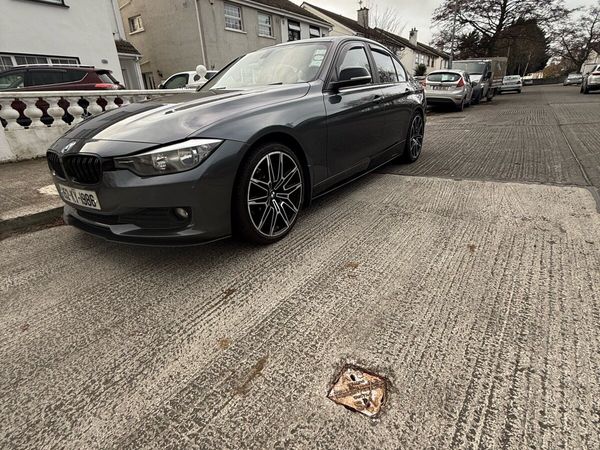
x=576, y=38
x=388, y=18
x=491, y=17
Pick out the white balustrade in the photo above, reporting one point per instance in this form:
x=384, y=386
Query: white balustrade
x=36, y=115
x=17, y=109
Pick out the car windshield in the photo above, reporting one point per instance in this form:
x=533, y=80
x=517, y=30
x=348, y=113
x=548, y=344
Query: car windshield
x=472, y=68
x=512, y=78
x=286, y=64
x=444, y=77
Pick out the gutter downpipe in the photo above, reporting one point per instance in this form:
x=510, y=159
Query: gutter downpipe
x=200, y=34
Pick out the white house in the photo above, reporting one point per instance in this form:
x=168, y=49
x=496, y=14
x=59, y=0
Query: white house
x=87, y=32
x=410, y=51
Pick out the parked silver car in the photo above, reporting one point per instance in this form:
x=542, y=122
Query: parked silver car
x=512, y=83
x=573, y=78
x=591, y=81
x=449, y=87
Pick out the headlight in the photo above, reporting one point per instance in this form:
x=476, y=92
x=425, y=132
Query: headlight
x=170, y=159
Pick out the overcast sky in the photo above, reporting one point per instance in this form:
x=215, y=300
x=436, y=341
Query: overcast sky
x=417, y=13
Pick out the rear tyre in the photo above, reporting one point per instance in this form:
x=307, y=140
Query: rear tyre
x=268, y=195
x=414, y=139
x=461, y=107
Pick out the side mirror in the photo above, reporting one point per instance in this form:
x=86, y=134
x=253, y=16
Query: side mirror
x=352, y=76
x=161, y=86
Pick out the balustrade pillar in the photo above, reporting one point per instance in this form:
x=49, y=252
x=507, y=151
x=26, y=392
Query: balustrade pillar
x=93, y=108
x=110, y=102
x=55, y=111
x=33, y=112
x=75, y=110
x=9, y=114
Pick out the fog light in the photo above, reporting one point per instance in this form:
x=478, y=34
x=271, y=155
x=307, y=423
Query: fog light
x=182, y=213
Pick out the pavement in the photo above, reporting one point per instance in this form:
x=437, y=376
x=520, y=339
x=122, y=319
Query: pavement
x=471, y=283
x=27, y=196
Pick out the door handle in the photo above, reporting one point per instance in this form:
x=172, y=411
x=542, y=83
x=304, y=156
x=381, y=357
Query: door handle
x=378, y=98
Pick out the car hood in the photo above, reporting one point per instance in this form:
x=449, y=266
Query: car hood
x=172, y=117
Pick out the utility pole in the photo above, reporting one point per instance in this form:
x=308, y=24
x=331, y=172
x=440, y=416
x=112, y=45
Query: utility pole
x=453, y=34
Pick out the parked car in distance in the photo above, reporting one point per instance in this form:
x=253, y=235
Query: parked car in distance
x=246, y=152
x=189, y=79
x=449, y=87
x=573, y=79
x=528, y=80
x=486, y=75
x=512, y=83
x=591, y=81
x=57, y=78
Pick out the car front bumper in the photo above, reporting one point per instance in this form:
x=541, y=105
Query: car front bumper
x=141, y=210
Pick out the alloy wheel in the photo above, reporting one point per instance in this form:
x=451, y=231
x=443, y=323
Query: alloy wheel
x=275, y=194
x=416, y=137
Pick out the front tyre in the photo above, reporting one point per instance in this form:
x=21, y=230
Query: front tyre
x=268, y=195
x=414, y=140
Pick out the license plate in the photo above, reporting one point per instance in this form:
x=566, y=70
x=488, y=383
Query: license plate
x=79, y=197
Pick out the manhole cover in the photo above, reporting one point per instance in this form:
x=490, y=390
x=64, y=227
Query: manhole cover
x=359, y=390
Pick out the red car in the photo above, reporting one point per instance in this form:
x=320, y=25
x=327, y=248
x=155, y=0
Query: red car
x=57, y=78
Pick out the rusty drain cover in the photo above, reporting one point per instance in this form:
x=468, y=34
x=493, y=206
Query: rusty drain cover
x=359, y=390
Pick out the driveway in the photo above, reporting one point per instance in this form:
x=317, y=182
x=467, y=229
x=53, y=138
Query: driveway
x=470, y=280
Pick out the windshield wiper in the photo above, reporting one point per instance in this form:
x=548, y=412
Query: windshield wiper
x=275, y=84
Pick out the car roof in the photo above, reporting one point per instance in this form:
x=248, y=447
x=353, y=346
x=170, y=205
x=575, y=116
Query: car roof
x=333, y=39
x=54, y=66
x=455, y=71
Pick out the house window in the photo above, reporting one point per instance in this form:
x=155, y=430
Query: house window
x=233, y=17
x=64, y=61
x=293, y=30
x=265, y=25
x=135, y=24
x=315, y=32
x=5, y=63
x=29, y=60
x=148, y=80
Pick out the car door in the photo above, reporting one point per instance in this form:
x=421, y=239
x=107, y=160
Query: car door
x=12, y=80
x=354, y=115
x=44, y=79
x=396, y=105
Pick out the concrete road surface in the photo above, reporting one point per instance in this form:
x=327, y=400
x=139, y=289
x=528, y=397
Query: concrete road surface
x=470, y=280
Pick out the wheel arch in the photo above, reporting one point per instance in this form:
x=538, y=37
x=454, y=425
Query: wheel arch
x=285, y=138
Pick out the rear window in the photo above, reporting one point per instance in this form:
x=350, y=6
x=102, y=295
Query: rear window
x=445, y=77
x=70, y=76
x=106, y=77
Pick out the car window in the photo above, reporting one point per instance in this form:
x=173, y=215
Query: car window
x=177, y=81
x=355, y=57
x=385, y=67
x=12, y=80
x=45, y=77
x=400, y=70
x=443, y=77
x=106, y=77
x=71, y=76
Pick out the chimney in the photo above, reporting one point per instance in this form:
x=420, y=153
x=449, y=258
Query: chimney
x=363, y=17
x=413, y=36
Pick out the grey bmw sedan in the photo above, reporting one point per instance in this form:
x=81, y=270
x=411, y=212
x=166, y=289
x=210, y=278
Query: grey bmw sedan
x=246, y=152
